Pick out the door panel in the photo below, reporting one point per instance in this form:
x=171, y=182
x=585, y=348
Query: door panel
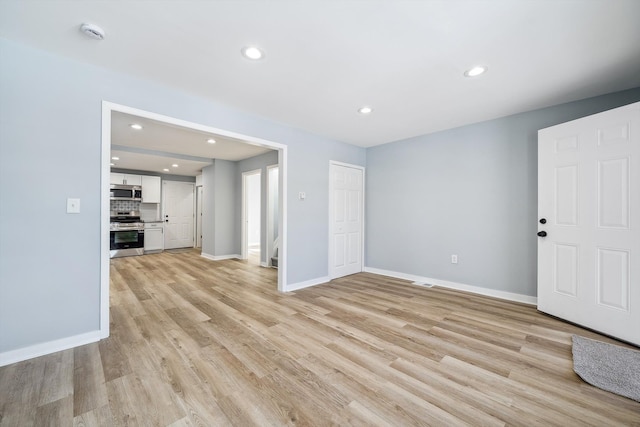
x=566, y=190
x=346, y=227
x=613, y=278
x=613, y=193
x=566, y=269
x=589, y=194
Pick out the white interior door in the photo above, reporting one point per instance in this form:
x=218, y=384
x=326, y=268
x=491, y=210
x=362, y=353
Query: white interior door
x=589, y=197
x=251, y=214
x=178, y=214
x=346, y=206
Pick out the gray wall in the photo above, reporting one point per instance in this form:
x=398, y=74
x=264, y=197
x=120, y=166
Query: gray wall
x=226, y=219
x=470, y=191
x=50, y=143
x=208, y=210
x=258, y=162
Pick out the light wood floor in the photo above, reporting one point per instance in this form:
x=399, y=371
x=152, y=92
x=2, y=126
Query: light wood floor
x=197, y=342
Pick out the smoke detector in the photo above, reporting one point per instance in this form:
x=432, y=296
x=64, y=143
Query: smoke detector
x=93, y=31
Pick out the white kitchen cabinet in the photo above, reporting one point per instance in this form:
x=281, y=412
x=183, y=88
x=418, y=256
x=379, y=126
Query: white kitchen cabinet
x=117, y=178
x=125, y=178
x=151, y=189
x=153, y=237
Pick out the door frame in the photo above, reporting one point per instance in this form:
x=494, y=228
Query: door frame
x=269, y=228
x=244, y=234
x=331, y=206
x=198, y=243
x=164, y=209
x=107, y=109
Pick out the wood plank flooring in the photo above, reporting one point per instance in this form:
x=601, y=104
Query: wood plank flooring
x=197, y=342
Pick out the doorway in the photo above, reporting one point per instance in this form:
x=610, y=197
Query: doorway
x=251, y=214
x=108, y=108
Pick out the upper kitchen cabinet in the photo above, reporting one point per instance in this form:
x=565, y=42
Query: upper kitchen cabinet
x=150, y=189
x=126, y=179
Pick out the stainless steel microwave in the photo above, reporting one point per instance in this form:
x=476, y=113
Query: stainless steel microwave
x=126, y=192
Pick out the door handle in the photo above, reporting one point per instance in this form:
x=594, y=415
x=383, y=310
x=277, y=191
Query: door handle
x=543, y=220
x=542, y=233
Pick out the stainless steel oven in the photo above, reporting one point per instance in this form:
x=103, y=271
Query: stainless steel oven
x=127, y=234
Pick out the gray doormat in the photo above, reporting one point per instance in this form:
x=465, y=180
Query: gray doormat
x=607, y=366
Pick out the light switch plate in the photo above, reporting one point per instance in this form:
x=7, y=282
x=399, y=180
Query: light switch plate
x=73, y=205
x=302, y=195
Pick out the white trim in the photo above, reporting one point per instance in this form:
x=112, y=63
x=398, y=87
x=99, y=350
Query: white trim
x=308, y=283
x=425, y=281
x=283, y=225
x=105, y=218
x=269, y=223
x=36, y=350
x=362, y=232
x=198, y=215
x=220, y=257
x=264, y=264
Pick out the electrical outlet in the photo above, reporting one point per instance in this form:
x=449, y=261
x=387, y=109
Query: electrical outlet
x=454, y=259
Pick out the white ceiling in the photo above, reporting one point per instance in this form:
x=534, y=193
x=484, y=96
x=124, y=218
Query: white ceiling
x=158, y=146
x=325, y=59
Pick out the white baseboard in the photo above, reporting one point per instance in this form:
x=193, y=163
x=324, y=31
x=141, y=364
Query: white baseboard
x=264, y=264
x=306, y=284
x=220, y=257
x=421, y=280
x=25, y=353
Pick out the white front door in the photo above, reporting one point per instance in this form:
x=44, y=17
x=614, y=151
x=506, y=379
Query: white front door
x=589, y=208
x=178, y=214
x=346, y=205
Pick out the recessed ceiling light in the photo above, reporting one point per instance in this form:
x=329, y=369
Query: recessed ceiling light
x=475, y=71
x=93, y=31
x=135, y=126
x=365, y=110
x=211, y=141
x=112, y=164
x=174, y=165
x=252, y=52
x=165, y=169
x=115, y=158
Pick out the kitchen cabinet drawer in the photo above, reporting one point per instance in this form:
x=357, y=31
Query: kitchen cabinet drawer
x=151, y=225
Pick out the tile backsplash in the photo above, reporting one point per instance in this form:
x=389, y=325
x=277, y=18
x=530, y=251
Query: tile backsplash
x=148, y=211
x=124, y=205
